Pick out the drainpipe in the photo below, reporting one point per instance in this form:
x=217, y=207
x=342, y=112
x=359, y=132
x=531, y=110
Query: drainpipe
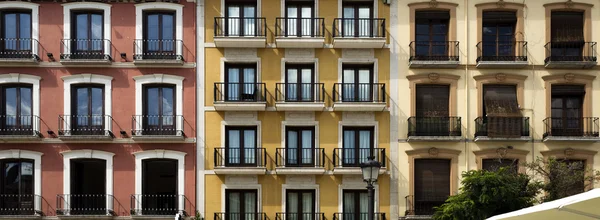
x=467, y=80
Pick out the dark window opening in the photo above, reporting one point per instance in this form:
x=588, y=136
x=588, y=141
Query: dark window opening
x=87, y=33
x=88, y=187
x=159, y=35
x=241, y=83
x=431, y=35
x=241, y=19
x=241, y=205
x=432, y=110
x=498, y=37
x=357, y=83
x=16, y=34
x=357, y=19
x=299, y=79
x=16, y=117
x=299, y=20
x=159, y=187
x=567, y=110
x=300, y=205
x=87, y=109
x=432, y=184
x=16, y=191
x=300, y=144
x=494, y=164
x=159, y=110
x=357, y=145
x=240, y=146
x=566, y=34
x=502, y=116
x=355, y=205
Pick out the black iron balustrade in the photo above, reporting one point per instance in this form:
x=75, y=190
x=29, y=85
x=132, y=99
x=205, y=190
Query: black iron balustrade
x=240, y=216
x=20, y=204
x=84, y=204
x=357, y=216
x=502, y=127
x=571, y=51
x=85, y=125
x=354, y=157
x=507, y=51
x=299, y=92
x=299, y=216
x=149, y=49
x=359, y=92
x=19, y=48
x=434, y=51
x=19, y=125
x=434, y=126
x=300, y=157
x=359, y=27
x=157, y=125
x=240, y=92
x=299, y=27
x=85, y=49
x=240, y=157
x=574, y=127
x=158, y=204
x=424, y=205
x=240, y=27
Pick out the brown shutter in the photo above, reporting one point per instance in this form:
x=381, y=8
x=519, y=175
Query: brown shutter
x=566, y=26
x=432, y=100
x=432, y=179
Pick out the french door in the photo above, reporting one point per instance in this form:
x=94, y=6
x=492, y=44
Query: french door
x=88, y=110
x=241, y=205
x=355, y=205
x=300, y=205
x=357, y=145
x=241, y=82
x=240, y=146
x=357, y=19
x=159, y=110
x=241, y=19
x=300, y=144
x=299, y=83
x=357, y=83
x=567, y=111
x=299, y=22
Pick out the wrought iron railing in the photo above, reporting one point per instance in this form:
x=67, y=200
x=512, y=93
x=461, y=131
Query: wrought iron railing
x=358, y=216
x=570, y=51
x=20, y=204
x=157, y=125
x=299, y=27
x=240, y=216
x=88, y=204
x=240, y=157
x=240, y=92
x=155, y=49
x=434, y=126
x=85, y=125
x=575, y=127
x=354, y=157
x=502, y=127
x=240, y=27
x=19, y=48
x=502, y=51
x=424, y=205
x=359, y=27
x=359, y=92
x=299, y=92
x=19, y=125
x=300, y=157
x=299, y=216
x=434, y=51
x=163, y=204
x=85, y=49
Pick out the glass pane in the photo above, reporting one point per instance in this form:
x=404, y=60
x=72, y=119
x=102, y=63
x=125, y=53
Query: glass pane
x=167, y=106
x=82, y=26
x=97, y=106
x=307, y=144
x=233, y=84
x=250, y=205
x=234, y=204
x=249, y=147
x=82, y=101
x=349, y=206
x=292, y=79
x=422, y=29
x=10, y=97
x=348, y=155
x=152, y=30
x=25, y=26
x=249, y=84
x=307, y=87
x=167, y=27
x=292, y=203
x=363, y=205
x=291, y=23
x=364, y=89
x=233, y=22
x=292, y=153
x=364, y=143
x=26, y=104
x=10, y=31
x=348, y=85
x=97, y=23
x=233, y=146
x=11, y=177
x=26, y=178
x=152, y=101
x=307, y=203
x=249, y=21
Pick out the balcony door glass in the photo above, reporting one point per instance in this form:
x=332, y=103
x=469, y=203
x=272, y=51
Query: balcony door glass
x=16, y=33
x=16, y=191
x=355, y=205
x=357, y=18
x=299, y=83
x=499, y=34
x=240, y=146
x=432, y=110
x=16, y=116
x=159, y=34
x=159, y=109
x=88, y=32
x=159, y=187
x=567, y=110
x=241, y=82
x=357, y=83
x=300, y=144
x=431, y=35
x=88, y=187
x=357, y=145
x=241, y=18
x=432, y=184
x=87, y=109
x=300, y=205
x=241, y=205
x=298, y=19
x=566, y=34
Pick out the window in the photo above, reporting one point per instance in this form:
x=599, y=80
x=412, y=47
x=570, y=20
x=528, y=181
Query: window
x=499, y=33
x=357, y=145
x=566, y=35
x=567, y=110
x=299, y=20
x=502, y=117
x=432, y=110
x=355, y=205
x=88, y=110
x=88, y=33
x=17, y=117
x=159, y=35
x=17, y=187
x=300, y=205
x=88, y=190
x=357, y=19
x=431, y=34
x=357, y=83
x=240, y=146
x=16, y=34
x=241, y=205
x=159, y=187
x=241, y=82
x=241, y=18
x=493, y=164
x=300, y=146
x=432, y=184
x=159, y=109
x=299, y=79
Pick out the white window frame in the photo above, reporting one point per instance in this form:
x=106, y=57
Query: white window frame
x=35, y=91
x=139, y=21
x=161, y=154
x=68, y=7
x=35, y=21
x=95, y=154
x=86, y=78
x=285, y=187
x=159, y=79
x=37, y=170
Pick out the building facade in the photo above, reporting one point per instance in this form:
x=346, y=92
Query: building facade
x=98, y=115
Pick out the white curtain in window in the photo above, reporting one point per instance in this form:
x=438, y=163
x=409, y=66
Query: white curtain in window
x=250, y=206
x=250, y=22
x=234, y=147
x=292, y=156
x=292, y=80
x=364, y=145
x=364, y=27
x=364, y=79
x=233, y=21
x=306, y=27
x=349, y=146
x=348, y=86
x=292, y=21
x=306, y=84
x=364, y=205
x=249, y=80
x=234, y=206
x=307, y=205
x=307, y=140
x=348, y=22
x=233, y=84
x=293, y=206
x=349, y=206
x=250, y=151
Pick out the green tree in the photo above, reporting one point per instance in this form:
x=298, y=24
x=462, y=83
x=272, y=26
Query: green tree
x=487, y=193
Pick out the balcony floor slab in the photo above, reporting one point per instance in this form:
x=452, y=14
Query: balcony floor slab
x=241, y=42
x=300, y=170
x=358, y=42
x=359, y=106
x=570, y=64
x=433, y=138
x=571, y=138
x=240, y=106
x=433, y=64
x=502, y=64
x=300, y=106
x=502, y=139
x=241, y=170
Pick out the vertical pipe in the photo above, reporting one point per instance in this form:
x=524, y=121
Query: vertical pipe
x=467, y=80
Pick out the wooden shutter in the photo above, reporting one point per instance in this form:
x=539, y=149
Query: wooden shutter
x=500, y=17
x=566, y=26
x=432, y=179
x=432, y=101
x=568, y=90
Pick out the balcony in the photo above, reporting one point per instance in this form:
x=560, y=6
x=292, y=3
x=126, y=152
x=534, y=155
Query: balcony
x=164, y=206
x=97, y=206
x=299, y=216
x=157, y=128
x=570, y=55
x=300, y=161
x=240, y=32
x=300, y=96
x=571, y=129
x=240, y=96
x=240, y=160
x=348, y=160
x=359, y=33
x=20, y=206
x=434, y=54
x=498, y=55
x=85, y=51
x=357, y=216
x=16, y=128
x=240, y=216
x=157, y=52
x=422, y=208
x=502, y=129
x=434, y=129
x=359, y=97
x=300, y=32
x=19, y=51
x=85, y=128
